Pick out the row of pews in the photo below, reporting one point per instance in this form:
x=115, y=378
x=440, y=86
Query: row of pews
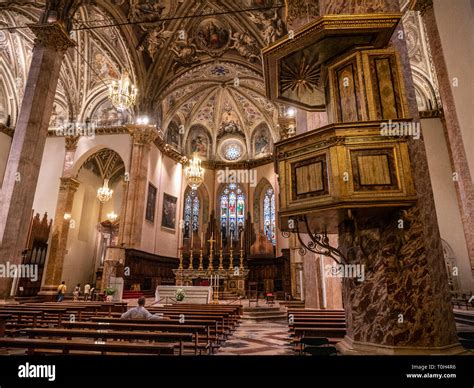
x=315, y=331
x=96, y=328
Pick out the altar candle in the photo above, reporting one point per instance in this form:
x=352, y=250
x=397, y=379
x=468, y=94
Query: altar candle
x=192, y=237
x=231, y=238
x=201, y=239
x=222, y=237
x=241, y=241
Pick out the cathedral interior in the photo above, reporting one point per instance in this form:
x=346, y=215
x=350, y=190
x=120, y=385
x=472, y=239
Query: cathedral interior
x=315, y=153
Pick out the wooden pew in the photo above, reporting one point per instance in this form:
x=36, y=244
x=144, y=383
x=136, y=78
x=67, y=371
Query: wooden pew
x=66, y=346
x=115, y=335
x=200, y=331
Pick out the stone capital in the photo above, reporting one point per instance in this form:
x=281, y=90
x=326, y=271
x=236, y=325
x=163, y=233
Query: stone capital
x=142, y=134
x=71, y=142
x=69, y=184
x=52, y=35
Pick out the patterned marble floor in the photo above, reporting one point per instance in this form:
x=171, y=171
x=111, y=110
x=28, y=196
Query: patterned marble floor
x=252, y=338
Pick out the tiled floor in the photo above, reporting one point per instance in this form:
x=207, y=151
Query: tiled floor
x=262, y=338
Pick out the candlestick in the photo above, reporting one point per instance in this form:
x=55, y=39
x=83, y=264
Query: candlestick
x=221, y=259
x=222, y=238
x=180, y=259
x=241, y=267
x=192, y=237
x=200, y=262
x=202, y=239
x=211, y=257
x=241, y=241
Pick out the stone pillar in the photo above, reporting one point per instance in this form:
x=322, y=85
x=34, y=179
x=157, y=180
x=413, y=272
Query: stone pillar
x=403, y=304
x=464, y=187
x=27, y=147
x=62, y=224
x=133, y=214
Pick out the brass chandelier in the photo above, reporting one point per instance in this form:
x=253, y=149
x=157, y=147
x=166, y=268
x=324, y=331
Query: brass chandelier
x=122, y=93
x=194, y=173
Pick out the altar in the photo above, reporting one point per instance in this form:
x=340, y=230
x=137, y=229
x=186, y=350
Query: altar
x=228, y=280
x=192, y=294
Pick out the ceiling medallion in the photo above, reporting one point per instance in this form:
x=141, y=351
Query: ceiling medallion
x=212, y=36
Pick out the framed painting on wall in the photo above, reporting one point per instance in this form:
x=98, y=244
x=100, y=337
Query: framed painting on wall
x=150, y=203
x=168, y=219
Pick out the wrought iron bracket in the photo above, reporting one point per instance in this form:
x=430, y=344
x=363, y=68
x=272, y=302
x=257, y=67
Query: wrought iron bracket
x=318, y=241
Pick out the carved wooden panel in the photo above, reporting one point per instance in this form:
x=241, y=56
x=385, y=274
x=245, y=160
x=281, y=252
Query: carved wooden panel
x=348, y=104
x=386, y=97
x=309, y=178
x=374, y=170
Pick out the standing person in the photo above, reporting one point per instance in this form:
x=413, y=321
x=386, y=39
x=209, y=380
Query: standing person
x=87, y=291
x=61, y=291
x=77, y=292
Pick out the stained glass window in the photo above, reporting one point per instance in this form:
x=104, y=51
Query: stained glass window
x=232, y=210
x=269, y=215
x=191, y=213
x=233, y=151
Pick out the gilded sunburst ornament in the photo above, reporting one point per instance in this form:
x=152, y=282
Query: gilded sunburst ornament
x=301, y=77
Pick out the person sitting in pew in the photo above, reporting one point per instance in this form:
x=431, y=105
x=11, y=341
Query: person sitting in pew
x=140, y=312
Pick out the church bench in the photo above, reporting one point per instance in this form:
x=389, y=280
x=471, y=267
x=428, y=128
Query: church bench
x=200, y=331
x=34, y=345
x=213, y=325
x=325, y=332
x=226, y=321
x=181, y=338
x=3, y=321
x=318, y=324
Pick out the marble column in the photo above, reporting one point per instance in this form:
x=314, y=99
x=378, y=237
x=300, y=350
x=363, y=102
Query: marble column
x=19, y=185
x=133, y=215
x=464, y=186
x=61, y=224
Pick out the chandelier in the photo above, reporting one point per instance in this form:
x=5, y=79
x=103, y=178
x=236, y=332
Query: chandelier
x=194, y=173
x=122, y=93
x=104, y=193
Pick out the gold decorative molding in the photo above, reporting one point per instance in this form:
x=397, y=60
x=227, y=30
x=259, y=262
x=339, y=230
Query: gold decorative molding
x=52, y=35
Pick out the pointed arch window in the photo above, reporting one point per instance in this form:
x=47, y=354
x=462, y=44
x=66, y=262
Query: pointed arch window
x=192, y=207
x=269, y=215
x=232, y=210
